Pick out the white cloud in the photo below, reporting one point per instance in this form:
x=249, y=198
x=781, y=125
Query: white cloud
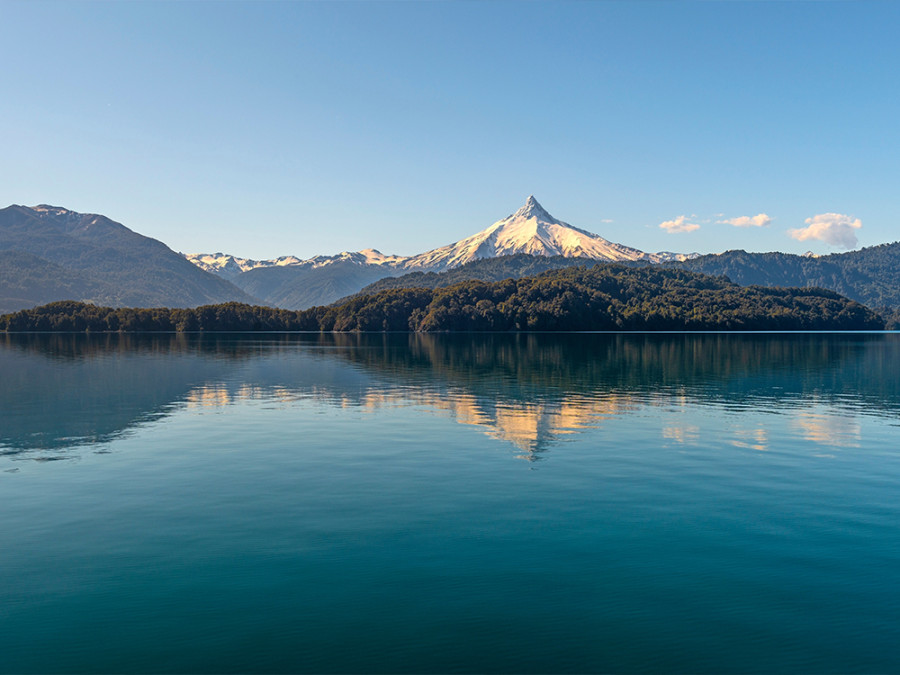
x=760, y=220
x=606, y=220
x=832, y=228
x=678, y=225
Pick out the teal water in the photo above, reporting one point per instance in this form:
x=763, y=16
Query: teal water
x=394, y=503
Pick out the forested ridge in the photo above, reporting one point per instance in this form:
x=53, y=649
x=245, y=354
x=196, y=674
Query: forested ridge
x=608, y=297
x=483, y=269
x=868, y=275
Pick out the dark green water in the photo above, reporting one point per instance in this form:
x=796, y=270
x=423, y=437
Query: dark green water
x=531, y=503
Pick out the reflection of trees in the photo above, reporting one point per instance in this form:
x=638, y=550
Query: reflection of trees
x=529, y=389
x=529, y=425
x=65, y=390
x=705, y=365
x=532, y=389
x=68, y=346
x=61, y=390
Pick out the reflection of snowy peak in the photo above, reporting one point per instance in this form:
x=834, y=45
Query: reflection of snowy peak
x=529, y=230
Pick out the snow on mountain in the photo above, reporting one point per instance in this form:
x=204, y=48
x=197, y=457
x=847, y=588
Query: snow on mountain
x=230, y=266
x=529, y=230
x=668, y=256
x=227, y=265
x=368, y=256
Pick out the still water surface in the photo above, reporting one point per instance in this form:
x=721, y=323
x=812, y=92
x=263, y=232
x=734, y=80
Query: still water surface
x=395, y=503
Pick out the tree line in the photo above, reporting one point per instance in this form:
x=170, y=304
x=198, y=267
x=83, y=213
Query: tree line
x=608, y=297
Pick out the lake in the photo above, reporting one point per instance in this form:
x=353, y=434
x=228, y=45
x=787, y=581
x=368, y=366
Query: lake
x=450, y=503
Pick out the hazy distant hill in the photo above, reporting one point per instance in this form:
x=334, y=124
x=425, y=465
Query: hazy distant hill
x=300, y=287
x=51, y=253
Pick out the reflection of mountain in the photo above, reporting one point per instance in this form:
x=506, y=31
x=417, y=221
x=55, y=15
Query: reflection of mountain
x=531, y=390
x=828, y=430
x=530, y=426
x=727, y=368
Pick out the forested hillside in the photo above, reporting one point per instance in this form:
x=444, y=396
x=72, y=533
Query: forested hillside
x=608, y=297
x=485, y=269
x=27, y=280
x=869, y=276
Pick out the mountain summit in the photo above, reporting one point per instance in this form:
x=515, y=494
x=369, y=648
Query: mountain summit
x=530, y=230
x=532, y=209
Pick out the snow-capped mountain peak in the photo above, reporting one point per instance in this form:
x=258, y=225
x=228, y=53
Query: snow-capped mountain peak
x=230, y=266
x=532, y=209
x=530, y=230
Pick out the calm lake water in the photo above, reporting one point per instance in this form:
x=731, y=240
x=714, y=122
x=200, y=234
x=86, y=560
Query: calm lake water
x=478, y=503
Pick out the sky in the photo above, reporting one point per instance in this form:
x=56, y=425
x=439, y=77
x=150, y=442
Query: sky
x=263, y=129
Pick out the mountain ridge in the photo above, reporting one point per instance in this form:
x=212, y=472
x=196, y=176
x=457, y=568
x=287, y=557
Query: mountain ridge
x=96, y=259
x=292, y=283
x=531, y=229
x=50, y=253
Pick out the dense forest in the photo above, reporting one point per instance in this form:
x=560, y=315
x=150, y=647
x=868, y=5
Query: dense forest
x=607, y=297
x=484, y=269
x=868, y=275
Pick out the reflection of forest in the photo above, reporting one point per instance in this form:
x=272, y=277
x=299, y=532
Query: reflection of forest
x=532, y=390
x=714, y=367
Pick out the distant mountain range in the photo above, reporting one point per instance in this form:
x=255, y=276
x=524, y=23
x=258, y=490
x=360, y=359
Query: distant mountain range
x=293, y=283
x=50, y=253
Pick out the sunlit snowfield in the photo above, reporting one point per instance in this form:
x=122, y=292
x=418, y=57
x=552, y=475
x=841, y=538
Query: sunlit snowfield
x=530, y=503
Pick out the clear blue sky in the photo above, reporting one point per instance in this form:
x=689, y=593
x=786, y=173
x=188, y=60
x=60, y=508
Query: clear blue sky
x=271, y=128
